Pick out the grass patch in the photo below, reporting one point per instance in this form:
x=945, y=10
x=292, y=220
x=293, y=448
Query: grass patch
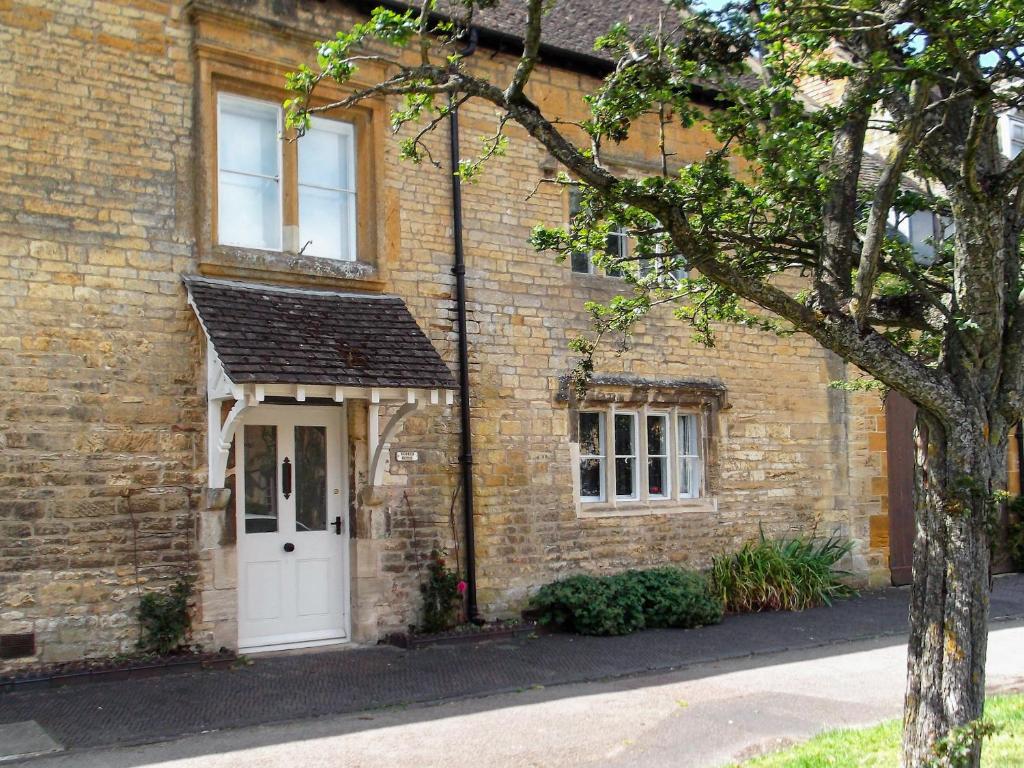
x=878, y=747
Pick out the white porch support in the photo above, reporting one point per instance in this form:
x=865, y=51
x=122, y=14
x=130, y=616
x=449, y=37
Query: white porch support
x=378, y=442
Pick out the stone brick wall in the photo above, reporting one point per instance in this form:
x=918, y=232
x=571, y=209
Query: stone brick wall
x=101, y=362
x=99, y=419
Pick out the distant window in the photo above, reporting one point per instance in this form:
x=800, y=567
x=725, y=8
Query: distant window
x=922, y=236
x=579, y=260
x=657, y=266
x=616, y=244
x=1016, y=137
x=922, y=230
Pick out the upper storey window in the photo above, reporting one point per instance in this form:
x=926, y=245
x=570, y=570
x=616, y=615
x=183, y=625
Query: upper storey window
x=327, y=190
x=249, y=173
x=284, y=196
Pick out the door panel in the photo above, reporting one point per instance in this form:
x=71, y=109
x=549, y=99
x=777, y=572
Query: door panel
x=311, y=573
x=899, y=436
x=264, y=593
x=293, y=566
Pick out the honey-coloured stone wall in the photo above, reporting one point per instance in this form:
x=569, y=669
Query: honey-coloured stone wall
x=107, y=200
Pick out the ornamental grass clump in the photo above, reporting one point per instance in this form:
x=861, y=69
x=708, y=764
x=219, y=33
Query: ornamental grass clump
x=781, y=574
x=625, y=602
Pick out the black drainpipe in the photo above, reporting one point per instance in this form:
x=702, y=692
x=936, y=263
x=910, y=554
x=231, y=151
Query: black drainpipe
x=466, y=437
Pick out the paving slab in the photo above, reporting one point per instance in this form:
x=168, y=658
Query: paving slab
x=299, y=687
x=25, y=739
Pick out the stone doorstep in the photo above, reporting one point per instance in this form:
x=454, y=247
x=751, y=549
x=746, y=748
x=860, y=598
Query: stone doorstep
x=25, y=739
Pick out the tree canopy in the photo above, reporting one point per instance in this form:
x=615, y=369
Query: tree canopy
x=794, y=187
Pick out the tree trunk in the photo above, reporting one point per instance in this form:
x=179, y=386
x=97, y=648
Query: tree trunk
x=954, y=481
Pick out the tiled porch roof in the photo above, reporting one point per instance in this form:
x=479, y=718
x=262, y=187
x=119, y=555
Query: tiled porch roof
x=268, y=334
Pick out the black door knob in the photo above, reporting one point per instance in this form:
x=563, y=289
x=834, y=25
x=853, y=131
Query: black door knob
x=289, y=547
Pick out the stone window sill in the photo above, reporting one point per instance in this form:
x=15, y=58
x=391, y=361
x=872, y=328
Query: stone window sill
x=589, y=509
x=278, y=266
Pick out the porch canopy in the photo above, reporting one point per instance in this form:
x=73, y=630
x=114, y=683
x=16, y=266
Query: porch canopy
x=266, y=341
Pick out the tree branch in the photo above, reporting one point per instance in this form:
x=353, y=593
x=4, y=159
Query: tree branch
x=531, y=47
x=885, y=193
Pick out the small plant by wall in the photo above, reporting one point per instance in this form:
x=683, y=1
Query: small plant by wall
x=442, y=594
x=781, y=574
x=628, y=601
x=164, y=619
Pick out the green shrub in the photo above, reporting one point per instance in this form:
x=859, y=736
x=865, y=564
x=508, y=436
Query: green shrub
x=164, y=621
x=781, y=574
x=674, y=598
x=626, y=602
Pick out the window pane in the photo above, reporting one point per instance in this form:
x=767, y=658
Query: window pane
x=590, y=478
x=657, y=474
x=260, y=479
x=922, y=231
x=689, y=481
x=310, y=478
x=326, y=155
x=590, y=434
x=575, y=202
x=625, y=477
x=325, y=222
x=656, y=435
x=615, y=245
x=688, y=435
x=248, y=211
x=624, y=434
x=580, y=262
x=247, y=136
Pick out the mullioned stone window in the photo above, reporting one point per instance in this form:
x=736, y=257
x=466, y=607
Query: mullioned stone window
x=644, y=445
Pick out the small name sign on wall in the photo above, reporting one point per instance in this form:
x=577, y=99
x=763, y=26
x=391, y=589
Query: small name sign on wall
x=407, y=455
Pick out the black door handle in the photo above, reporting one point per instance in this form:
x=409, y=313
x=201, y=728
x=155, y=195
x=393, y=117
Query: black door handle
x=286, y=477
x=337, y=525
x=289, y=547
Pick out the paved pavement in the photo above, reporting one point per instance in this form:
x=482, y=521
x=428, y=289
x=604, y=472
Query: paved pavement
x=300, y=688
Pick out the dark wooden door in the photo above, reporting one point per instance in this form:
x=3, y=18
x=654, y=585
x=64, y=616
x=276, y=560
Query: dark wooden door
x=899, y=437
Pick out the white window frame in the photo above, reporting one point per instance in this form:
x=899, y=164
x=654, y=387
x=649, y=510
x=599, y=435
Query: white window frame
x=225, y=98
x=290, y=235
x=601, y=458
x=1011, y=123
x=666, y=493
x=341, y=128
x=687, y=460
x=675, y=460
x=635, y=455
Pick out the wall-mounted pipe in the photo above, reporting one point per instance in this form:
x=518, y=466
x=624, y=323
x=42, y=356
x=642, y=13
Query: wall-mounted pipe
x=465, y=436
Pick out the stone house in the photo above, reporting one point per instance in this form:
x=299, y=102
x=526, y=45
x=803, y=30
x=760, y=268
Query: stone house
x=235, y=356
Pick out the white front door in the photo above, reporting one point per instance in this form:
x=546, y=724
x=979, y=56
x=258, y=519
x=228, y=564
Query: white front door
x=292, y=537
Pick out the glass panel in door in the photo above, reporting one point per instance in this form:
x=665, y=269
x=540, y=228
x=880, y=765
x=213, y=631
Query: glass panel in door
x=310, y=479
x=261, y=512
